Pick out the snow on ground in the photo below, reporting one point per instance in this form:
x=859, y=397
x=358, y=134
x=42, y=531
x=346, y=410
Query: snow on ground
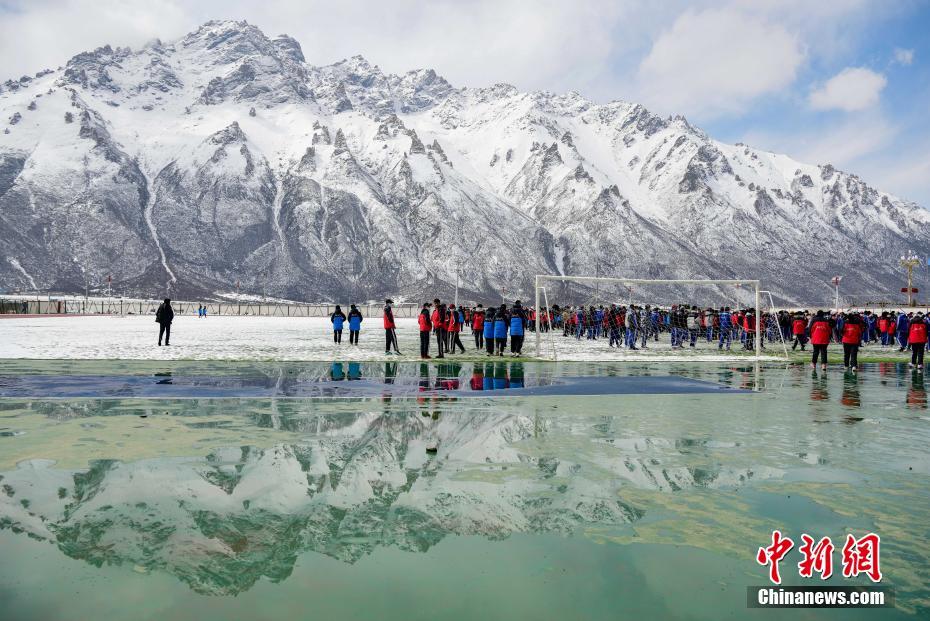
x=270, y=338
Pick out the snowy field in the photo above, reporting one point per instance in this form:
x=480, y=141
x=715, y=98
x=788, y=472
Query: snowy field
x=271, y=338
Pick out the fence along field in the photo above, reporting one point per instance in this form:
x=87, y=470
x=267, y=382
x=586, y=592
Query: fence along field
x=121, y=306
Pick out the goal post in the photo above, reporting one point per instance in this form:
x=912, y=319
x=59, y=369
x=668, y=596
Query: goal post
x=576, y=293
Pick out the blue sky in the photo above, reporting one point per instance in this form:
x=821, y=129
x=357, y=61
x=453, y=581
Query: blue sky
x=839, y=81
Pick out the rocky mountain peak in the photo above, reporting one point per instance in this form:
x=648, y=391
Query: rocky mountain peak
x=90, y=69
x=289, y=48
x=228, y=135
x=339, y=143
x=421, y=89
x=164, y=131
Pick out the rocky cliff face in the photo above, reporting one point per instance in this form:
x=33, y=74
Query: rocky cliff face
x=226, y=156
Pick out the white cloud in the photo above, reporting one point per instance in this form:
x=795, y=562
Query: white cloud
x=36, y=34
x=716, y=62
x=592, y=46
x=884, y=154
x=903, y=56
x=551, y=44
x=853, y=88
x=842, y=144
x=904, y=174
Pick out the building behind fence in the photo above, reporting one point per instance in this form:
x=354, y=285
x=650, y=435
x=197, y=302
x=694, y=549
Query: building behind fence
x=125, y=307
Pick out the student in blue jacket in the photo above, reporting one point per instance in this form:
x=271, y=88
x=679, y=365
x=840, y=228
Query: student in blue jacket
x=725, y=327
x=337, y=318
x=355, y=324
x=903, y=324
x=501, y=319
x=489, y=330
x=517, y=325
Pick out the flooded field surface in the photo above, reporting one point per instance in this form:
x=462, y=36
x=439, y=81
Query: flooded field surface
x=498, y=378
x=394, y=490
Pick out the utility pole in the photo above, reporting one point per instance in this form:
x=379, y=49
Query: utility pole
x=536, y=301
x=836, y=292
x=909, y=262
x=456, y=287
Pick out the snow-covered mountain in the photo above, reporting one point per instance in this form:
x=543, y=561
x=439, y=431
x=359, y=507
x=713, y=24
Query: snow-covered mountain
x=226, y=156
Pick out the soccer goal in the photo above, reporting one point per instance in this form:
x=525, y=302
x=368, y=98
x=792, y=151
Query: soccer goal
x=586, y=317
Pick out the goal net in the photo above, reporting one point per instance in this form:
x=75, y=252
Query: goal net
x=594, y=318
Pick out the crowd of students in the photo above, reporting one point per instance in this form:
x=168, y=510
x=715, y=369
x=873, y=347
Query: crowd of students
x=906, y=331
x=635, y=327
x=491, y=328
x=632, y=327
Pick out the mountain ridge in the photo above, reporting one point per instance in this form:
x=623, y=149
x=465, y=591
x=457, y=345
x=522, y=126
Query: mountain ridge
x=226, y=157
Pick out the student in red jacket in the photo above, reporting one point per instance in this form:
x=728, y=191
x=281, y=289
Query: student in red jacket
x=390, y=334
x=820, y=338
x=439, y=326
x=455, y=329
x=749, y=329
x=477, y=326
x=917, y=339
x=852, y=339
x=426, y=326
x=883, y=328
x=799, y=330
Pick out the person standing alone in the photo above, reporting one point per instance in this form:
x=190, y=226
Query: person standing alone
x=390, y=334
x=164, y=316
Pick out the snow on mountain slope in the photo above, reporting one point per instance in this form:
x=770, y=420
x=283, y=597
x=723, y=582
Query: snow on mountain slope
x=225, y=156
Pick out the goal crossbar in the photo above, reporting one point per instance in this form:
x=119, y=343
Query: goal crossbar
x=750, y=282
x=644, y=281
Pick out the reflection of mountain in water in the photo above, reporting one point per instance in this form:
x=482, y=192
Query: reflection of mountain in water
x=357, y=482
